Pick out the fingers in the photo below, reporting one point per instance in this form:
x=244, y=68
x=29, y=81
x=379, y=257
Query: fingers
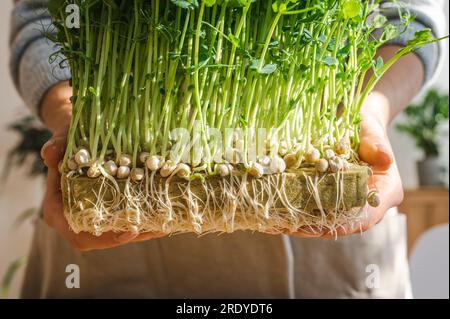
x=54, y=217
x=52, y=205
x=390, y=190
x=53, y=151
x=148, y=236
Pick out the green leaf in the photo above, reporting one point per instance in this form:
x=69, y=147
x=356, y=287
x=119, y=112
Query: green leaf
x=378, y=64
x=10, y=274
x=329, y=61
x=266, y=69
x=351, y=8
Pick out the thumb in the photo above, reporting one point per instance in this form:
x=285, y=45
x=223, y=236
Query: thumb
x=53, y=151
x=375, y=148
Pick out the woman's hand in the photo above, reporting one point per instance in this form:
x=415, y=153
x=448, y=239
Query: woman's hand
x=375, y=150
x=56, y=113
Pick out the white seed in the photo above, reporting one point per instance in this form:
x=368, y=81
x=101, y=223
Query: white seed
x=123, y=172
x=137, y=174
x=343, y=147
x=313, y=156
x=264, y=160
x=183, y=170
x=329, y=153
x=167, y=169
x=125, y=160
x=111, y=168
x=291, y=160
x=277, y=165
x=256, y=170
x=93, y=171
x=82, y=157
x=335, y=164
x=322, y=165
x=143, y=157
x=72, y=164
x=373, y=199
x=153, y=163
x=224, y=170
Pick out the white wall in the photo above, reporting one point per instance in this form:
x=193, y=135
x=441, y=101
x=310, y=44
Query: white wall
x=19, y=194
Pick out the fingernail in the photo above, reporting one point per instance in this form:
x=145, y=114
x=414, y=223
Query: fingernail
x=126, y=237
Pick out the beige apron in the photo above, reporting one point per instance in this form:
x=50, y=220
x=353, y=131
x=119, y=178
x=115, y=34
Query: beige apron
x=240, y=265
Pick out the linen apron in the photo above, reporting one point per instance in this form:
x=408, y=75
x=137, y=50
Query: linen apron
x=239, y=265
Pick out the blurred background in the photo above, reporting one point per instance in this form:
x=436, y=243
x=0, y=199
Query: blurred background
x=426, y=201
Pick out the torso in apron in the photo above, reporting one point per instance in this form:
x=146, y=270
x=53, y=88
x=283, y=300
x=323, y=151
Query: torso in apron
x=240, y=265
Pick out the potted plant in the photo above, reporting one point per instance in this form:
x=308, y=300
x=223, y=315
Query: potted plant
x=422, y=123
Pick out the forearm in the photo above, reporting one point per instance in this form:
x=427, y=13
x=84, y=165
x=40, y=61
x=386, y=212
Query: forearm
x=32, y=69
x=397, y=87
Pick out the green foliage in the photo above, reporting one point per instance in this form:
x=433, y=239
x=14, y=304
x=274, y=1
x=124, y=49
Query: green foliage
x=152, y=66
x=32, y=139
x=12, y=270
x=423, y=121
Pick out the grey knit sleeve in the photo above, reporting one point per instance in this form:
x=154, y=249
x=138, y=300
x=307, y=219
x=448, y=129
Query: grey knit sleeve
x=429, y=14
x=32, y=68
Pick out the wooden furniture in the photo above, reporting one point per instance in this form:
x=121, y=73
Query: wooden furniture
x=424, y=208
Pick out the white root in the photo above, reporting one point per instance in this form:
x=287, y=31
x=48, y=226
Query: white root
x=231, y=203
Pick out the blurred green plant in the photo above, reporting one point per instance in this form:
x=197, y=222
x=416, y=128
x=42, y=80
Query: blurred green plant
x=424, y=119
x=11, y=272
x=32, y=138
x=27, y=152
